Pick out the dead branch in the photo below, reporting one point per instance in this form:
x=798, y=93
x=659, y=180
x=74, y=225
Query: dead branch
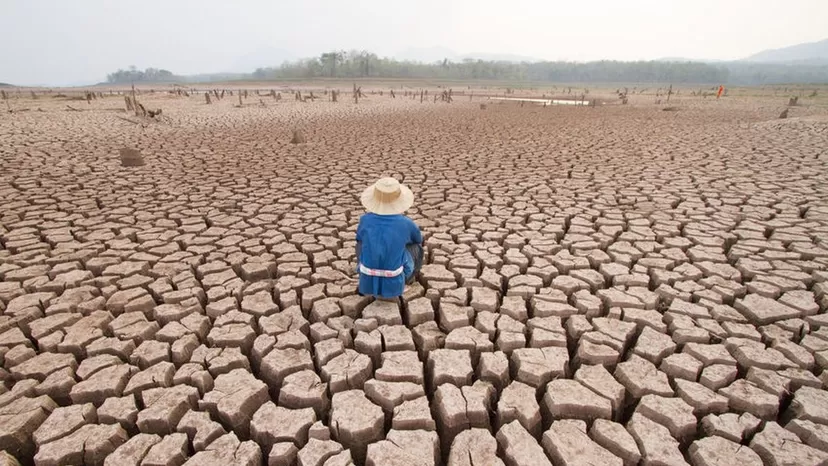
x=127, y=119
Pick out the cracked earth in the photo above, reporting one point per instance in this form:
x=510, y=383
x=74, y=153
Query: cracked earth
x=616, y=285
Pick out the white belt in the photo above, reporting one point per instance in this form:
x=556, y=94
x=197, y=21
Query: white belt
x=380, y=273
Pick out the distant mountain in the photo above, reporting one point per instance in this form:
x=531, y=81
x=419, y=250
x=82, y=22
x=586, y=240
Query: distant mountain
x=809, y=53
x=5, y=85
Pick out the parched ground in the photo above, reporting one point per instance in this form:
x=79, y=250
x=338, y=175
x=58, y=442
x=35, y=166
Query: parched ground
x=613, y=285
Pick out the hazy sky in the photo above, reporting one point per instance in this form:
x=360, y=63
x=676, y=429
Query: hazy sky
x=61, y=42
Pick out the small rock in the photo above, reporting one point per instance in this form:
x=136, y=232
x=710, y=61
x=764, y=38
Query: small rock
x=201, y=430
x=90, y=444
x=743, y=396
x=567, y=442
x=537, y=366
x=655, y=442
x=63, y=421
x=519, y=446
x=273, y=424
x=413, y=415
x=517, y=403
x=568, y=399
x=641, y=377
x=449, y=366
x=133, y=451
x=716, y=451
x=170, y=451
x=809, y=404
x=672, y=413
x=235, y=397
x=616, y=439
x=474, y=447
x=164, y=408
x=778, y=446
x=356, y=422
x=227, y=450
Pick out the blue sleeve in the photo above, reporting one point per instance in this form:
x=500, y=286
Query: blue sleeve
x=359, y=230
x=416, y=236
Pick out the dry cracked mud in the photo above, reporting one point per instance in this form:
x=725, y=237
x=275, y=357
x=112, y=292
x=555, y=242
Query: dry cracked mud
x=611, y=285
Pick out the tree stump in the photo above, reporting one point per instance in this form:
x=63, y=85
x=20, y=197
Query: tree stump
x=140, y=110
x=129, y=105
x=131, y=158
x=784, y=114
x=793, y=101
x=207, y=97
x=298, y=137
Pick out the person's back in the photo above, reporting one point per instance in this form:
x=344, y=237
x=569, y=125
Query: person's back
x=389, y=244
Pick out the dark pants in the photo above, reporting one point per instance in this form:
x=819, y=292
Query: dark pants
x=414, y=250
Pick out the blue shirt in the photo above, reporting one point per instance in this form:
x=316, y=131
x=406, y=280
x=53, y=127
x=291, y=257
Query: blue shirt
x=383, y=239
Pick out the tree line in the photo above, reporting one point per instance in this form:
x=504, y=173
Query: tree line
x=134, y=75
x=364, y=64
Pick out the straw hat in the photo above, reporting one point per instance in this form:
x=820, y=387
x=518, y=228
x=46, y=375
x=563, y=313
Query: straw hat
x=387, y=197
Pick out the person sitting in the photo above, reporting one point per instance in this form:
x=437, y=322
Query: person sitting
x=389, y=244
